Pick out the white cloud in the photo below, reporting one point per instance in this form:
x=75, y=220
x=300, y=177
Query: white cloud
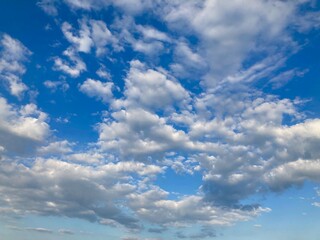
x=293, y=173
x=233, y=153
x=234, y=138
x=188, y=63
x=40, y=230
x=316, y=204
x=131, y=7
x=257, y=225
x=55, y=85
x=228, y=31
x=251, y=144
x=254, y=144
x=308, y=21
x=284, y=77
x=13, y=54
x=151, y=33
x=102, y=72
x=74, y=66
x=154, y=207
x=97, y=89
x=82, y=42
x=61, y=147
x=141, y=83
x=137, y=134
x=54, y=187
x=86, y=157
x=48, y=6
x=102, y=37
x=142, y=38
x=148, y=48
x=21, y=129
x=66, y=231
x=241, y=140
x=258, y=71
x=91, y=33
x=85, y=4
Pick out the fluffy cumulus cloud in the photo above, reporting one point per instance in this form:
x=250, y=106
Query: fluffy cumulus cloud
x=22, y=128
x=256, y=144
x=71, y=64
x=60, y=147
x=295, y=172
x=188, y=63
x=13, y=56
x=91, y=33
x=195, y=92
x=100, y=90
x=138, y=132
x=150, y=40
x=88, y=34
x=233, y=153
x=144, y=88
x=103, y=73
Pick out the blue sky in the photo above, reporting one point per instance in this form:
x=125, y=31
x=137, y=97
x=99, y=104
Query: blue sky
x=157, y=120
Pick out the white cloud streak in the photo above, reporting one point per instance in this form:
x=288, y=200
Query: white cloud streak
x=13, y=55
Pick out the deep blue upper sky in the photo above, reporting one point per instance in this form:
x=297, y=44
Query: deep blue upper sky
x=148, y=120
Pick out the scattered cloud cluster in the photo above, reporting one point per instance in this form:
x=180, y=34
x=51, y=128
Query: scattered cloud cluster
x=71, y=65
x=13, y=55
x=92, y=33
x=55, y=85
x=100, y=90
x=22, y=128
x=185, y=101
